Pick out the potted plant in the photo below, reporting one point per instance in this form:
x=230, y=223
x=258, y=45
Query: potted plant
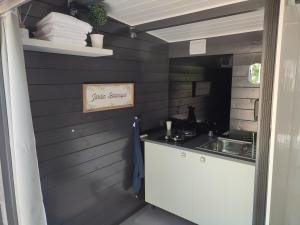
x=24, y=30
x=97, y=17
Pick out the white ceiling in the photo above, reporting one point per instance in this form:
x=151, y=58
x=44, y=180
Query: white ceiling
x=236, y=24
x=135, y=12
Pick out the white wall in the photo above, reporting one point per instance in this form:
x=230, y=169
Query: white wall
x=283, y=202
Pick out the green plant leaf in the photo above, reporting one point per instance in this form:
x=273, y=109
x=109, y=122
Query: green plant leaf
x=97, y=16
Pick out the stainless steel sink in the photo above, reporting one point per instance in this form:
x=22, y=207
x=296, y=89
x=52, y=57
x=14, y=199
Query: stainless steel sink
x=229, y=146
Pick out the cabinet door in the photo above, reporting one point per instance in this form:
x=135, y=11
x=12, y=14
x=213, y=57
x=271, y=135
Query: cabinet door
x=223, y=191
x=168, y=179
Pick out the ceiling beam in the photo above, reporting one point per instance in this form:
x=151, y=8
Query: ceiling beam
x=208, y=14
x=230, y=44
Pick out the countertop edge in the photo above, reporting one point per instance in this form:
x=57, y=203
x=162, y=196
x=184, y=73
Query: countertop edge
x=201, y=151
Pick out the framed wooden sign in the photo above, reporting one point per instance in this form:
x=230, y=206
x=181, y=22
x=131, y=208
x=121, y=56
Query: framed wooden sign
x=101, y=97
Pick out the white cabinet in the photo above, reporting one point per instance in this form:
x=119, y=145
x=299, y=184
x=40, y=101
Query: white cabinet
x=202, y=188
x=168, y=180
x=222, y=191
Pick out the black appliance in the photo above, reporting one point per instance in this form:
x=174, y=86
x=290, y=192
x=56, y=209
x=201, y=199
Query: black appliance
x=179, y=135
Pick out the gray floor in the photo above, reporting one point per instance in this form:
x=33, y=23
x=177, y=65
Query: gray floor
x=154, y=216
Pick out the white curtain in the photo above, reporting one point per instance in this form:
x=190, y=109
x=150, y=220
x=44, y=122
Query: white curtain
x=22, y=141
x=7, y=5
x=2, y=201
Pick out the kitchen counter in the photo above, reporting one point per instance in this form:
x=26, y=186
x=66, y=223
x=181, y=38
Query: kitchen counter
x=201, y=186
x=192, y=144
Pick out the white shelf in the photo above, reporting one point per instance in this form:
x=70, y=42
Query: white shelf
x=51, y=47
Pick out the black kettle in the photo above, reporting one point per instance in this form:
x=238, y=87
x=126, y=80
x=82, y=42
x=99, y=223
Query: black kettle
x=191, y=114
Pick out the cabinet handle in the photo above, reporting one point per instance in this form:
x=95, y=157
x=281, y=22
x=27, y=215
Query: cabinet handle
x=183, y=154
x=256, y=108
x=202, y=159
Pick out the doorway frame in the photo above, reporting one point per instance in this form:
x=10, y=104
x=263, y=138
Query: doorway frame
x=264, y=130
x=270, y=34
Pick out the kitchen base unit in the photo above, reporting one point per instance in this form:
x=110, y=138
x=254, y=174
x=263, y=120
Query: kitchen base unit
x=166, y=180
x=200, y=187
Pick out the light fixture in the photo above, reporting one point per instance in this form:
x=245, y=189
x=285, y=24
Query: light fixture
x=132, y=32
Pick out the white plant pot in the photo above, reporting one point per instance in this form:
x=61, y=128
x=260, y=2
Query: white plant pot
x=24, y=33
x=97, y=40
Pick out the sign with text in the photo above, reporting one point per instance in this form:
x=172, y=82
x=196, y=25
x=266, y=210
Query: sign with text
x=101, y=97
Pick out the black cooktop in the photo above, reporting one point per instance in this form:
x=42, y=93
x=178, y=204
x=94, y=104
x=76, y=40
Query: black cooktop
x=178, y=136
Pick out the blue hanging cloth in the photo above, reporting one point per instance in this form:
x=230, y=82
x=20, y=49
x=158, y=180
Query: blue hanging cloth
x=138, y=170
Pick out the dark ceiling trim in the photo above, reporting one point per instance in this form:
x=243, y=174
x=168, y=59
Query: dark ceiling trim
x=209, y=14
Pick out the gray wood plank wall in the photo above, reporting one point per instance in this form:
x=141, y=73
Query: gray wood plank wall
x=181, y=92
x=85, y=159
x=243, y=93
x=246, y=49
x=205, y=84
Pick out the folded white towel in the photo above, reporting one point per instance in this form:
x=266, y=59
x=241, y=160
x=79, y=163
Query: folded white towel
x=72, y=36
x=64, y=41
x=59, y=28
x=60, y=19
x=63, y=26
